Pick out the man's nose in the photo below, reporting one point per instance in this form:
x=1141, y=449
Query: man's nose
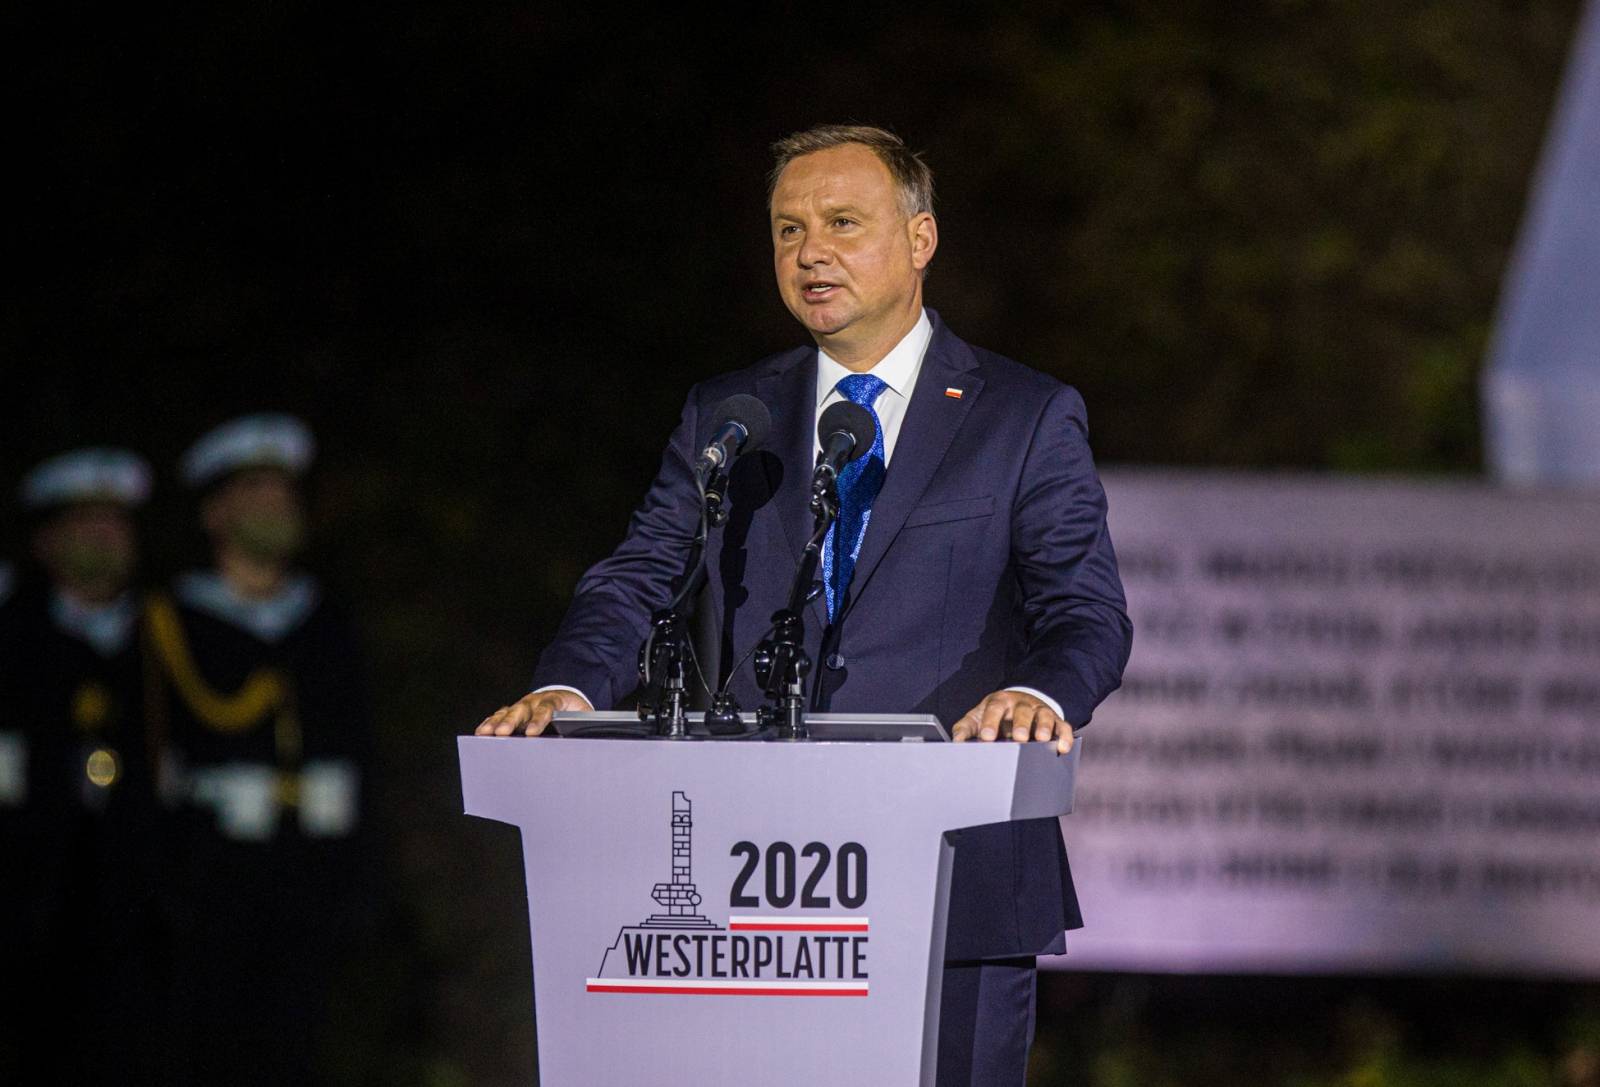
x=814, y=250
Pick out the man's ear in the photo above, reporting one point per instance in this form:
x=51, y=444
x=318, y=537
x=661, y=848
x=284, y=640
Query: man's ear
x=924, y=234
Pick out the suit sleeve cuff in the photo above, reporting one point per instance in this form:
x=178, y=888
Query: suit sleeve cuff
x=1047, y=700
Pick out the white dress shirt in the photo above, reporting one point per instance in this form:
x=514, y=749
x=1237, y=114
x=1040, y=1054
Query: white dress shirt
x=898, y=371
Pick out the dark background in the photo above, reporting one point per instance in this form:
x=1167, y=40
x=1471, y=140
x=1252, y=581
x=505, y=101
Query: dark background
x=484, y=249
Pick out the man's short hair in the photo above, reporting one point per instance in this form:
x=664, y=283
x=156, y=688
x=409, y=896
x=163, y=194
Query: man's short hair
x=911, y=175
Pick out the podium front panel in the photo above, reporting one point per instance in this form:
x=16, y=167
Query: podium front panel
x=736, y=913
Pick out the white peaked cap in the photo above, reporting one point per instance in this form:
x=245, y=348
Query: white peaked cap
x=255, y=441
x=88, y=475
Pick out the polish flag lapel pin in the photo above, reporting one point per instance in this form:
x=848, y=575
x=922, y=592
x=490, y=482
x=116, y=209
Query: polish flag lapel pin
x=953, y=393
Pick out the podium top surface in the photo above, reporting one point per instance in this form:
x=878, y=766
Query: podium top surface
x=974, y=782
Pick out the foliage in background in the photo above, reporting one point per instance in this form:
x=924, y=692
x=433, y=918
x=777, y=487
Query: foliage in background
x=1267, y=234
x=486, y=251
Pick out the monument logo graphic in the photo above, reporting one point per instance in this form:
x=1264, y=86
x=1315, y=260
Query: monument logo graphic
x=681, y=952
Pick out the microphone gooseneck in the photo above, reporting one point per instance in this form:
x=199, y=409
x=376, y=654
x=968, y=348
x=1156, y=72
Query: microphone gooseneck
x=846, y=431
x=668, y=649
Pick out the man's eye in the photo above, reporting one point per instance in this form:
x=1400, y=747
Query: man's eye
x=788, y=230
x=842, y=221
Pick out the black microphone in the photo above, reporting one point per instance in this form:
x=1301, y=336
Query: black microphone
x=846, y=432
x=746, y=423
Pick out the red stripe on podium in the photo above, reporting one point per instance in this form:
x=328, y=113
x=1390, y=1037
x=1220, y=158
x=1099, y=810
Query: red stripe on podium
x=716, y=990
x=796, y=926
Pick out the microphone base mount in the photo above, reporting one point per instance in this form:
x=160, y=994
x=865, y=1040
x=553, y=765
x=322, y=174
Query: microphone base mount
x=782, y=666
x=663, y=669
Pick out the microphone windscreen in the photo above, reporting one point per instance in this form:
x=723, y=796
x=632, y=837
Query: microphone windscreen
x=853, y=419
x=750, y=413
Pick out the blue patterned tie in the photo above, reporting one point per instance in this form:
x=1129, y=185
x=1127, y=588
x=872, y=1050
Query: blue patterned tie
x=858, y=486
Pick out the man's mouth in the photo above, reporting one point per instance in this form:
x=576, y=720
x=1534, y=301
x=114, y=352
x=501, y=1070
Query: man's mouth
x=819, y=290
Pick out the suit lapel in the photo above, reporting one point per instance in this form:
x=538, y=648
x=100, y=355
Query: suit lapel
x=926, y=434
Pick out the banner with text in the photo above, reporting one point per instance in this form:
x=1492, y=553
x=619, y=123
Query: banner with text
x=1360, y=731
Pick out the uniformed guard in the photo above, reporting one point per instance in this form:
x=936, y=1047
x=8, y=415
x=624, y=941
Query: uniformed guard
x=13, y=794
x=76, y=779
x=267, y=738
x=13, y=748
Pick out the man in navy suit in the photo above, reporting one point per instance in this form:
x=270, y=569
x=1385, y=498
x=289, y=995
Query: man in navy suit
x=974, y=579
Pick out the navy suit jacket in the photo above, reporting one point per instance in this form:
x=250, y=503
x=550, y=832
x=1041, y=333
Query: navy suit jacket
x=986, y=564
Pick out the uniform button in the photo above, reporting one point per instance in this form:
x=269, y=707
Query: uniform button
x=835, y=661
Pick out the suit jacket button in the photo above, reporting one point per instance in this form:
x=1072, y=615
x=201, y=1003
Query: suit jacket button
x=835, y=661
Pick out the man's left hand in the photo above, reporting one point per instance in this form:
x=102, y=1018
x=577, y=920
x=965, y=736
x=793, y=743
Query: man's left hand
x=1016, y=714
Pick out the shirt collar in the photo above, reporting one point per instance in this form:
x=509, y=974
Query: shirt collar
x=897, y=369
x=106, y=627
x=270, y=619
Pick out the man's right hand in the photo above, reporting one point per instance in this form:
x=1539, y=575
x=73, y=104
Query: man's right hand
x=529, y=714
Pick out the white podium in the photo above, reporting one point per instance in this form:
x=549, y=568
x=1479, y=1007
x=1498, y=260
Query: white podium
x=733, y=913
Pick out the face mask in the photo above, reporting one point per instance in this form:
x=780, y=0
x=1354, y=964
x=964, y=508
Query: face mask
x=268, y=536
x=91, y=563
